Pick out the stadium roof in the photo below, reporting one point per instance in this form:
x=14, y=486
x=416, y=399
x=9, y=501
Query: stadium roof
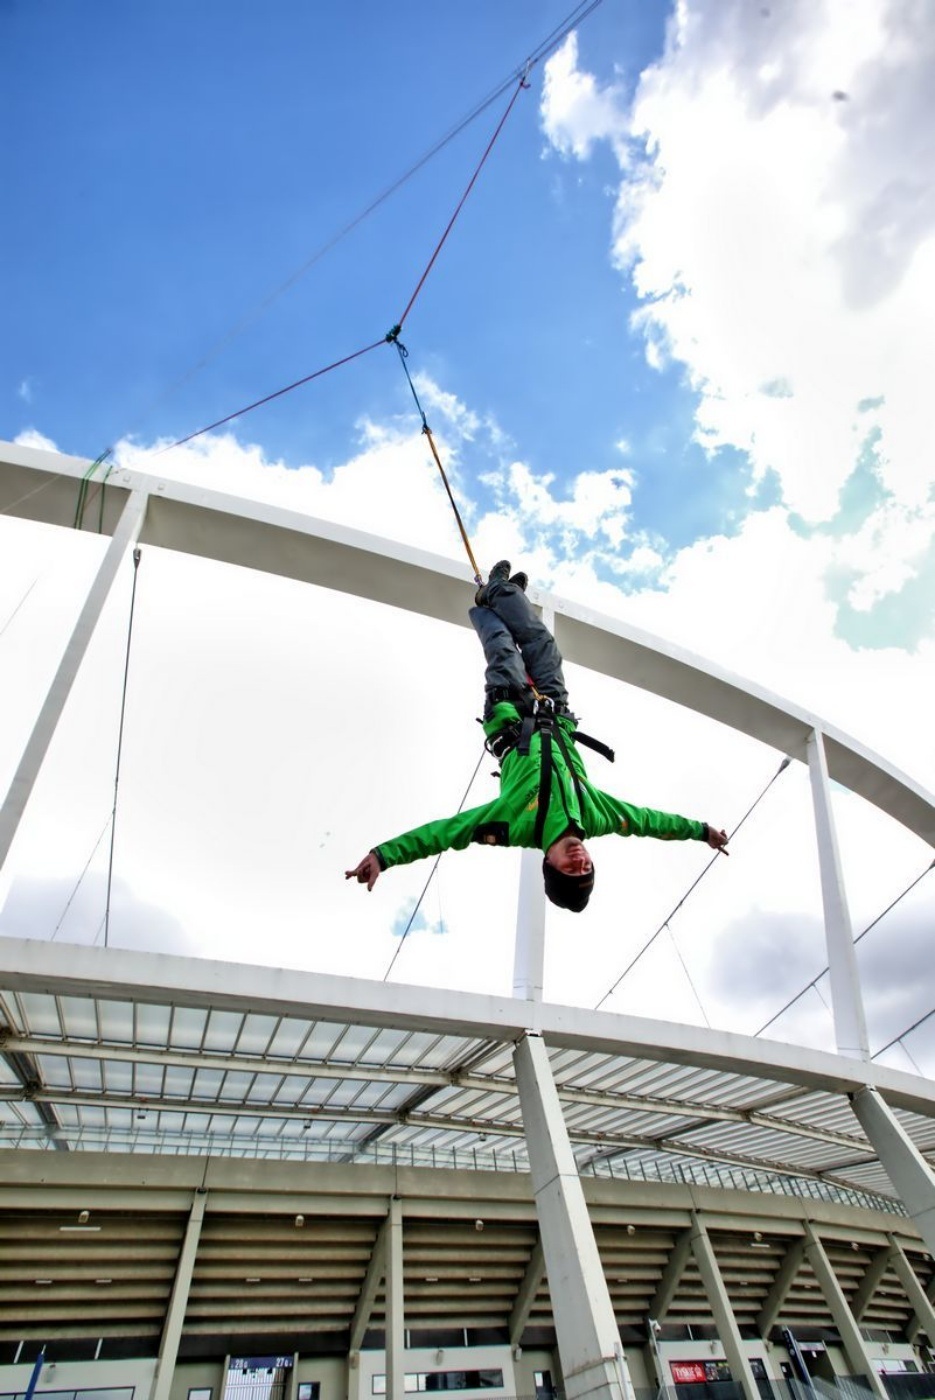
x=108, y=1049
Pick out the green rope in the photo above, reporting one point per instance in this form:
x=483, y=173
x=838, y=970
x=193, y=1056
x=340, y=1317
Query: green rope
x=83, y=487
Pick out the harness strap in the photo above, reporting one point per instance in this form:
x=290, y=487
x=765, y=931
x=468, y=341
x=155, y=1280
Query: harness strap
x=526, y=732
x=545, y=781
x=596, y=744
x=560, y=740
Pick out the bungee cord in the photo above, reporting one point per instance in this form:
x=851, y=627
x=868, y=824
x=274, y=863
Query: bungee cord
x=817, y=978
x=665, y=923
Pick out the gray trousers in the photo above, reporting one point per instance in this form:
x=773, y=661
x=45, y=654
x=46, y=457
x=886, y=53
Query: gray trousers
x=518, y=647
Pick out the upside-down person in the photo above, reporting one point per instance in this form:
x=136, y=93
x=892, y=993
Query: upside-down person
x=546, y=799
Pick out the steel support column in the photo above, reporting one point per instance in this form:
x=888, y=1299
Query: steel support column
x=529, y=955
x=24, y=779
x=593, y=1363
x=850, y=1027
x=178, y=1302
x=395, y=1305
x=724, y=1319
x=858, y=1358
x=905, y=1166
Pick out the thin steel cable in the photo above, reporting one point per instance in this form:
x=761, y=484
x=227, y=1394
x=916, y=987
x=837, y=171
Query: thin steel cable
x=268, y=398
x=461, y=202
x=911, y=1058
x=19, y=604
x=542, y=50
x=425, y=887
x=817, y=978
x=79, y=879
x=678, y=954
x=137, y=555
x=908, y=1031
x=650, y=941
x=391, y=337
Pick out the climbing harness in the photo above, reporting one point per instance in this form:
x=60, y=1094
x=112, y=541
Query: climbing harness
x=542, y=717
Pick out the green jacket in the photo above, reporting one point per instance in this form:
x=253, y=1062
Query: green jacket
x=510, y=820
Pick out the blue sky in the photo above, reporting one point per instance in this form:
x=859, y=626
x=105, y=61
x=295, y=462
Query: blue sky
x=173, y=166
x=675, y=352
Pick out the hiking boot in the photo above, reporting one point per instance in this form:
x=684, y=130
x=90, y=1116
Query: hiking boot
x=500, y=573
x=520, y=579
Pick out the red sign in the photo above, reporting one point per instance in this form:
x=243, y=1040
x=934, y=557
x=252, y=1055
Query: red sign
x=687, y=1372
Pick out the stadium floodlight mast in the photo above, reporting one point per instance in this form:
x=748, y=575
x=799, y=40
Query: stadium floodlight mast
x=138, y=509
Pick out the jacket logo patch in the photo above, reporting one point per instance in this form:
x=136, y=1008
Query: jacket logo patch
x=492, y=834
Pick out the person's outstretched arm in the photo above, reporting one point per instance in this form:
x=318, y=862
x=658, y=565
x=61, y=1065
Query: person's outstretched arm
x=445, y=834
x=614, y=816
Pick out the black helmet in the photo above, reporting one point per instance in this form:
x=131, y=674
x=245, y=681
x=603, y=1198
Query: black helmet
x=567, y=891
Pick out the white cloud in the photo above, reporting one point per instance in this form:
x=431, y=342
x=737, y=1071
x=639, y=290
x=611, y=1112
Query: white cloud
x=576, y=112
x=32, y=438
x=778, y=236
x=24, y=390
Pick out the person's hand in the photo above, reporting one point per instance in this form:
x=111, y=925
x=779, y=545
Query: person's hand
x=717, y=840
x=367, y=872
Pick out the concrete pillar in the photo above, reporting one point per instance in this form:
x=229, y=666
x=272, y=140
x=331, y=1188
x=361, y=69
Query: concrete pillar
x=526, y=1296
x=785, y=1277
x=671, y=1277
x=376, y=1270
x=870, y=1282
x=724, y=1319
x=24, y=779
x=178, y=1302
x=395, y=1305
x=593, y=1362
x=905, y=1166
x=850, y=1027
x=918, y=1298
x=858, y=1357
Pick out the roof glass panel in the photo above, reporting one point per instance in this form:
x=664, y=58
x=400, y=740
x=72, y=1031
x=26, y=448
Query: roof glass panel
x=152, y=1024
x=187, y=1027
x=40, y=1017
x=223, y=1029
x=288, y=1037
x=116, y=1021
x=178, y=1082
x=256, y=1033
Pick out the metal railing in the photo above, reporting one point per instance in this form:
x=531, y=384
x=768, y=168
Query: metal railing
x=683, y=1172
